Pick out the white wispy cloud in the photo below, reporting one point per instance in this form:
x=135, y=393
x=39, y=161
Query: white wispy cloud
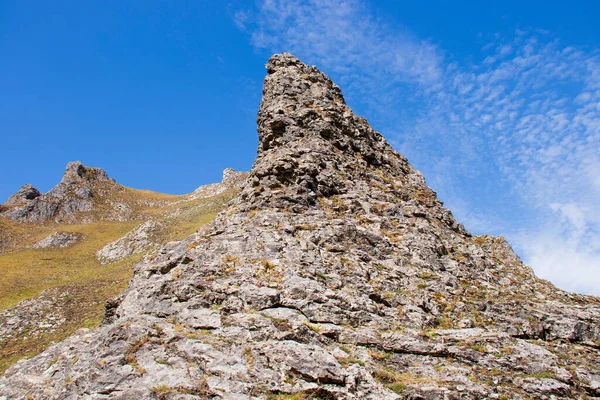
x=512, y=142
x=344, y=38
x=535, y=111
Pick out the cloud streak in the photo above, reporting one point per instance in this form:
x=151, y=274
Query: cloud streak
x=512, y=143
x=344, y=38
x=534, y=115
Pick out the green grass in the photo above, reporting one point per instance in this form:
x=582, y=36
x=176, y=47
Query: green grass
x=314, y=327
x=397, y=382
x=396, y=387
x=427, y=275
x=346, y=361
x=541, y=375
x=480, y=347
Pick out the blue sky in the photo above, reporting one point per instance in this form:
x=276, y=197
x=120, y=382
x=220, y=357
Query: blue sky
x=497, y=103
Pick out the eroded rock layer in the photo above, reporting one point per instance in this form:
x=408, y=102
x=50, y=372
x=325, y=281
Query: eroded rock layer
x=336, y=273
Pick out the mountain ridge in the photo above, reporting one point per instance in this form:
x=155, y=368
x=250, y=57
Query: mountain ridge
x=335, y=273
x=73, y=194
x=57, y=273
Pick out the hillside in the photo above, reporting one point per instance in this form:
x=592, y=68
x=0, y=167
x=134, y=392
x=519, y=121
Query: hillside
x=336, y=273
x=62, y=256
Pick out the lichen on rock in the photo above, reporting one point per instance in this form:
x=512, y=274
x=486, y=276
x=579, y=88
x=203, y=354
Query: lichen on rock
x=336, y=273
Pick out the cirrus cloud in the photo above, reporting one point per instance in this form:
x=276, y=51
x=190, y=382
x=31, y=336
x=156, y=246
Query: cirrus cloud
x=511, y=143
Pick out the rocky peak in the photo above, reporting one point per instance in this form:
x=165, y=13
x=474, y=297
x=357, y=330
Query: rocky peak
x=76, y=172
x=336, y=273
x=311, y=146
x=73, y=194
x=295, y=96
x=26, y=193
x=301, y=104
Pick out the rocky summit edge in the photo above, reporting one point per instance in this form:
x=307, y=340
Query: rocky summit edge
x=335, y=274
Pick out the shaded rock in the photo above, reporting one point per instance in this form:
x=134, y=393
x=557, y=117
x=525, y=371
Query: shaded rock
x=26, y=193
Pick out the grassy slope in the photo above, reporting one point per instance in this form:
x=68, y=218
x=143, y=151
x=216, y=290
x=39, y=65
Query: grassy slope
x=24, y=273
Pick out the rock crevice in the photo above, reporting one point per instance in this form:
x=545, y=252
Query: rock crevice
x=335, y=273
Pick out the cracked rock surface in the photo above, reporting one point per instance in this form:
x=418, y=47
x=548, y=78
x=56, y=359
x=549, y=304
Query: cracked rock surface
x=335, y=274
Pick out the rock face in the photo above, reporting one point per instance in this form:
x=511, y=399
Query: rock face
x=336, y=273
x=138, y=240
x=58, y=240
x=26, y=193
x=74, y=194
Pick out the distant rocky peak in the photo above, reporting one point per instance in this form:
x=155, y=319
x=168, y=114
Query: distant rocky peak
x=26, y=193
x=63, y=203
x=228, y=173
x=77, y=172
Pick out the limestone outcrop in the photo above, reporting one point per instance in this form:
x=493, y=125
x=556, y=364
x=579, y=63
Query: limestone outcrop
x=337, y=273
x=58, y=240
x=26, y=193
x=136, y=241
x=231, y=179
x=74, y=194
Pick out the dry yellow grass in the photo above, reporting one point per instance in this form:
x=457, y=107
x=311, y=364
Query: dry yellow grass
x=26, y=272
x=75, y=270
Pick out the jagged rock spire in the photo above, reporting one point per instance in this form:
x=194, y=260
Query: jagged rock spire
x=310, y=142
x=300, y=103
x=296, y=100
